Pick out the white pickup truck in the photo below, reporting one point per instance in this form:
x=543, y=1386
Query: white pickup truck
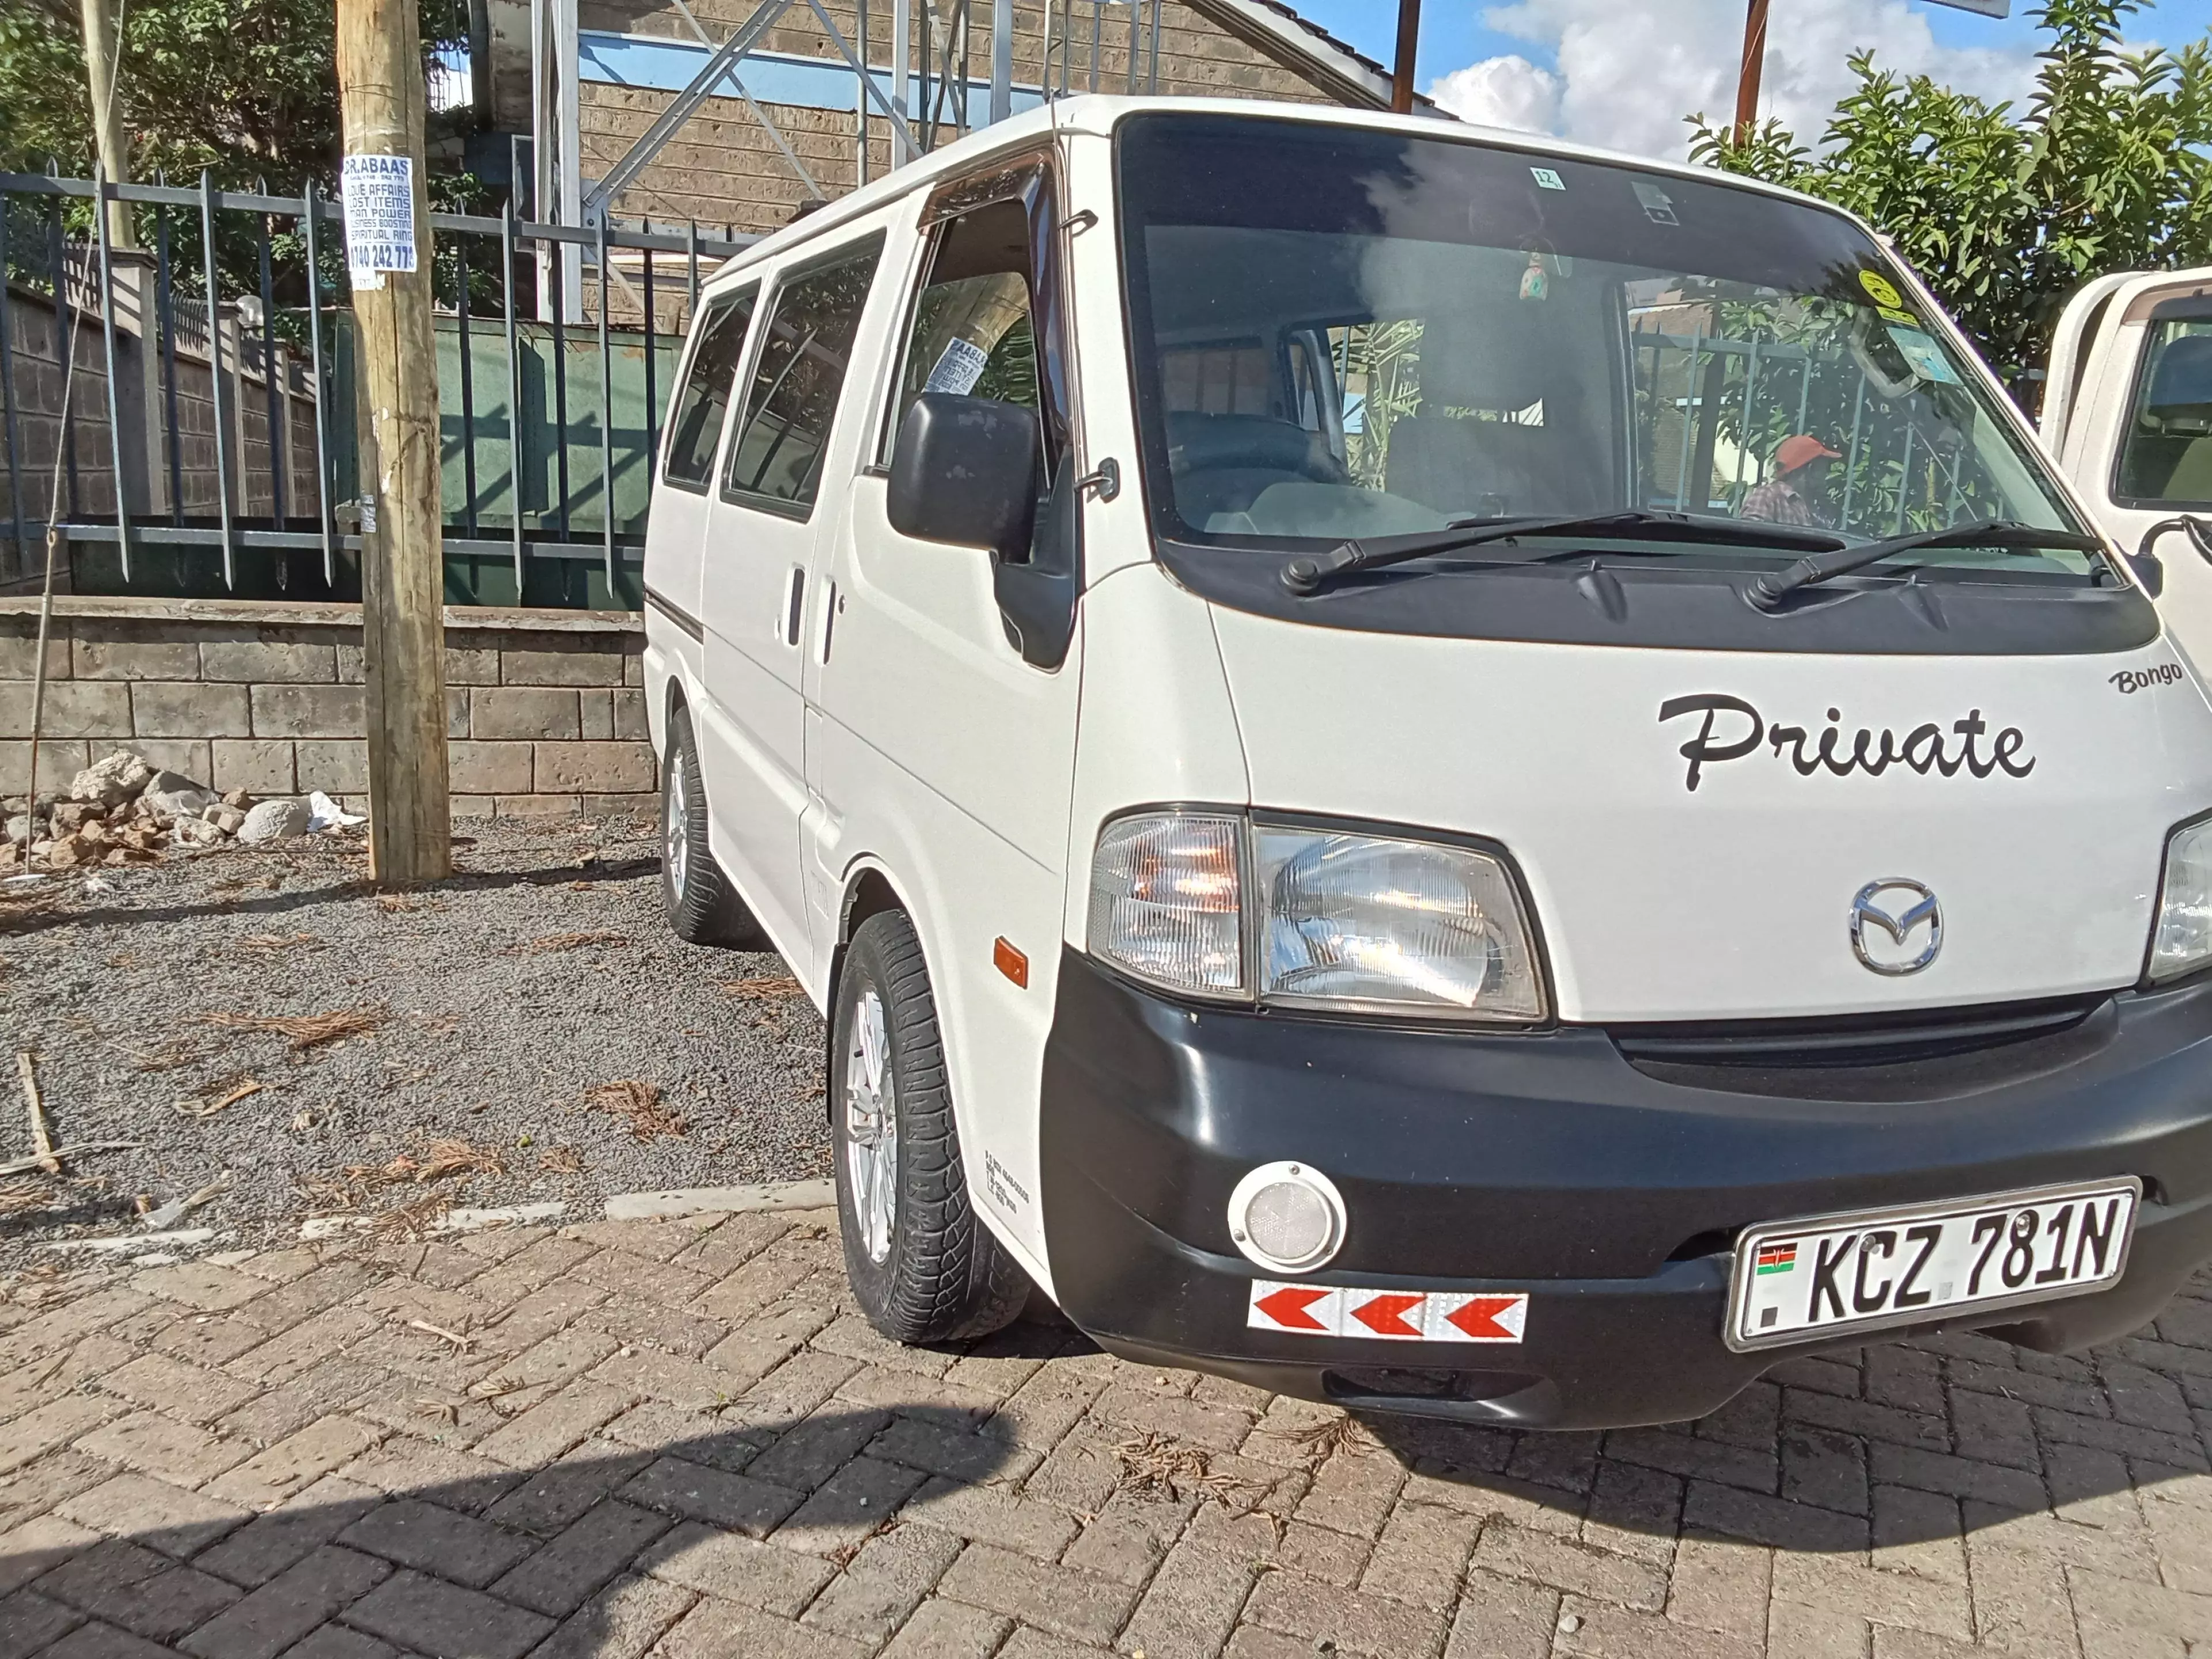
x=2128, y=412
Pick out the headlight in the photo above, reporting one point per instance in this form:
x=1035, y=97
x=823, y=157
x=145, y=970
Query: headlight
x=2181, y=940
x=1167, y=901
x=1358, y=923
x=1364, y=921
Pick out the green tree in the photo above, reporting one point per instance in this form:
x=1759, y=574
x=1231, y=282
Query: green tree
x=2006, y=212
x=246, y=89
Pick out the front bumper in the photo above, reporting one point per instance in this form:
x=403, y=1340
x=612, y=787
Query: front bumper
x=1608, y=1189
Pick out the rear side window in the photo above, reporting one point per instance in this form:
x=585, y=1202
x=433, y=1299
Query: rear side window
x=705, y=394
x=801, y=370
x=2165, y=449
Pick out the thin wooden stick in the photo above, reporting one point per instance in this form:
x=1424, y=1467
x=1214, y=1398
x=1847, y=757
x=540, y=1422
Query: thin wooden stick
x=47, y=1161
x=39, y=1138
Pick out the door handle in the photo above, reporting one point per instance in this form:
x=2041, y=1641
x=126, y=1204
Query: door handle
x=795, y=604
x=832, y=603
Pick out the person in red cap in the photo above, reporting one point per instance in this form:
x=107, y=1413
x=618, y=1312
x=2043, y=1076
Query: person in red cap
x=1800, y=470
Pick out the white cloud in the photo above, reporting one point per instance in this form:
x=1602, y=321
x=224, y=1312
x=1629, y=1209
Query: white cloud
x=1627, y=76
x=1502, y=92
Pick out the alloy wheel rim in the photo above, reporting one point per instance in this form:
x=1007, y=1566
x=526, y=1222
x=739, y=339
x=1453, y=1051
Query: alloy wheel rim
x=675, y=841
x=870, y=1127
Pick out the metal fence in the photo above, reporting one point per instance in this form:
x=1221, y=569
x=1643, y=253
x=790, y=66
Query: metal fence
x=183, y=411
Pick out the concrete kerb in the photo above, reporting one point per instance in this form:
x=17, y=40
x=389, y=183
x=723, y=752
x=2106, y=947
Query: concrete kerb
x=674, y=1201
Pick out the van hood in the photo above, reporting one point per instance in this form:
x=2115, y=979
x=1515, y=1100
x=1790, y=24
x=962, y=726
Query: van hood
x=1696, y=828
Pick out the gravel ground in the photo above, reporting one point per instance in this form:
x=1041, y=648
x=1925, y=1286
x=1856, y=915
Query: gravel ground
x=542, y=972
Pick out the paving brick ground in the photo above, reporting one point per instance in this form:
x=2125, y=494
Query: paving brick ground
x=678, y=1439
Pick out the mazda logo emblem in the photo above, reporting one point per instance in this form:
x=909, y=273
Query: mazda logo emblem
x=1890, y=913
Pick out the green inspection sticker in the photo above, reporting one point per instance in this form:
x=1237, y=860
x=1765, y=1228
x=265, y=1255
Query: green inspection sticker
x=1924, y=355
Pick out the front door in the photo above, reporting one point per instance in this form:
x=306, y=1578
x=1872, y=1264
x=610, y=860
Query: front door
x=941, y=749
x=2137, y=438
x=761, y=532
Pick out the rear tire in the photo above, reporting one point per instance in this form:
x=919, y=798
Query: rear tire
x=922, y=1265
x=703, y=905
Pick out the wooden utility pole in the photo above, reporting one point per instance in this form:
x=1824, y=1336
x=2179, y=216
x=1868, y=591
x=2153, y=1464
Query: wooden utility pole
x=1409, y=37
x=381, y=97
x=1747, y=80
x=103, y=63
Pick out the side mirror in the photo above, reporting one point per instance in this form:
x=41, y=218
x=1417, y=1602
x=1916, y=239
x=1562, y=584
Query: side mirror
x=2148, y=569
x=2198, y=530
x=965, y=470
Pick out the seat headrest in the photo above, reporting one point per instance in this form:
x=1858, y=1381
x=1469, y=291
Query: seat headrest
x=2182, y=376
x=1473, y=359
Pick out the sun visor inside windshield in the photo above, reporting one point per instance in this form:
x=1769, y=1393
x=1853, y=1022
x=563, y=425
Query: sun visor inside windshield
x=1288, y=175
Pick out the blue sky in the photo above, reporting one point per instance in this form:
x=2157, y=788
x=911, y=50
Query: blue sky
x=1624, y=74
x=1453, y=35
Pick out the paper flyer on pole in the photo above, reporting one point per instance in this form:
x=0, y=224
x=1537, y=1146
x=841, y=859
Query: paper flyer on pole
x=379, y=216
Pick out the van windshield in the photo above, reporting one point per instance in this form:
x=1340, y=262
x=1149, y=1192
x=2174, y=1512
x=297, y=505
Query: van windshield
x=1341, y=333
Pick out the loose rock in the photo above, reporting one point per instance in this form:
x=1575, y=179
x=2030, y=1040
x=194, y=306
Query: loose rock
x=76, y=814
x=195, y=832
x=225, y=818
x=274, y=820
x=67, y=850
x=112, y=782
x=173, y=795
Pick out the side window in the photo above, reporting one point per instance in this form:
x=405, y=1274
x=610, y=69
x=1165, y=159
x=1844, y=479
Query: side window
x=801, y=368
x=972, y=333
x=705, y=395
x=2165, y=448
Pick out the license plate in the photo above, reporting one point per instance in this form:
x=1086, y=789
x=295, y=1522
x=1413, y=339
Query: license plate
x=1827, y=1275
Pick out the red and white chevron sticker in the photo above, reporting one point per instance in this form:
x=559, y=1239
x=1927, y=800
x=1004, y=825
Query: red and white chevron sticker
x=1395, y=1315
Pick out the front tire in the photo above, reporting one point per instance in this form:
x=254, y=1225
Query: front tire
x=922, y=1265
x=703, y=906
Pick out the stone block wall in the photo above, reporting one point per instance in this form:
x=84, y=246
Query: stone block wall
x=544, y=709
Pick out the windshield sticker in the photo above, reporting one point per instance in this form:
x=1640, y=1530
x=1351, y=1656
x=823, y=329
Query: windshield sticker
x=958, y=369
x=1733, y=729
x=1924, y=355
x=1881, y=290
x=1658, y=205
x=1891, y=314
x=1547, y=179
x=2132, y=680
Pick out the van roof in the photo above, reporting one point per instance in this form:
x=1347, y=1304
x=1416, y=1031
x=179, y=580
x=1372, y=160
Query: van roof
x=1096, y=114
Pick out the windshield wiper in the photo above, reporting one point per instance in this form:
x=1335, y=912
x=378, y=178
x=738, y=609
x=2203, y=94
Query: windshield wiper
x=1310, y=575
x=1769, y=590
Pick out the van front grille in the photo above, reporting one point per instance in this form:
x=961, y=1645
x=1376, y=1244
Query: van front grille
x=1878, y=1040
x=1942, y=1051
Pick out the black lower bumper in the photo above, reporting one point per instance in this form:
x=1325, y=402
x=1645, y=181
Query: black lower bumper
x=1608, y=1187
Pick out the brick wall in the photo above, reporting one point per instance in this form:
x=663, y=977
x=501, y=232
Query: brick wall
x=545, y=713
x=34, y=343
x=722, y=169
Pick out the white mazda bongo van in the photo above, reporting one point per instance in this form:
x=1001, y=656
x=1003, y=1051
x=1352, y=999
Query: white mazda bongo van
x=1429, y=769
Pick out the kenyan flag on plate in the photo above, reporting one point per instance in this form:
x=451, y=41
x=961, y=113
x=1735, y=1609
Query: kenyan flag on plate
x=1778, y=1258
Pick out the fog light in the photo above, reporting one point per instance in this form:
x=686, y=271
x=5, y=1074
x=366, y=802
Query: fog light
x=1286, y=1217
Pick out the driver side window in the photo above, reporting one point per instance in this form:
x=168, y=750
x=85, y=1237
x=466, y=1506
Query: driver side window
x=972, y=333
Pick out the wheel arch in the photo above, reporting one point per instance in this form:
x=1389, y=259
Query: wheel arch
x=869, y=890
